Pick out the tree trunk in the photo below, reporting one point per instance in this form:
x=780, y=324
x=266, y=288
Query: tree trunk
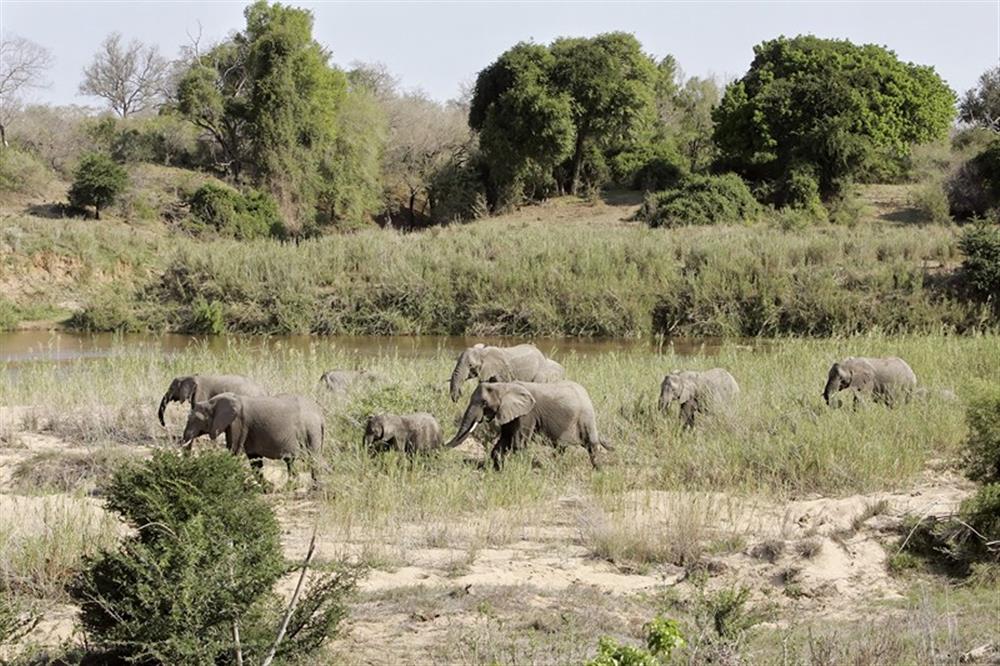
x=413, y=202
x=574, y=184
x=97, y=211
x=3, y=135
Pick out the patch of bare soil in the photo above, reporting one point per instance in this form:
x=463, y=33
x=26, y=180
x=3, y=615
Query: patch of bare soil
x=531, y=587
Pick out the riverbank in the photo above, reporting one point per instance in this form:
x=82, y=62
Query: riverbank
x=801, y=504
x=565, y=268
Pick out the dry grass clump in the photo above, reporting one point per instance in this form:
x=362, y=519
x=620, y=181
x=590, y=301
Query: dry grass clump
x=56, y=472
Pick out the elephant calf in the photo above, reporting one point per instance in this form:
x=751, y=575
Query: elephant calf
x=407, y=433
x=885, y=380
x=698, y=392
x=279, y=427
x=562, y=411
x=341, y=381
x=198, y=388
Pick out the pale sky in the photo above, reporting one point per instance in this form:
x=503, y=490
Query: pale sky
x=435, y=46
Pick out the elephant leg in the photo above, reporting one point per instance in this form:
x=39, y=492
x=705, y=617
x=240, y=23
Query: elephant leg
x=687, y=414
x=502, y=448
x=288, y=466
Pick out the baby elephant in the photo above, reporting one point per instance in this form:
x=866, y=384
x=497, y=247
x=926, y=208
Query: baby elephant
x=281, y=427
x=697, y=392
x=342, y=381
x=884, y=380
x=407, y=433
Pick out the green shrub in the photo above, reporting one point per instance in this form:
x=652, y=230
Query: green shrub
x=108, y=310
x=799, y=188
x=10, y=315
x=206, y=317
x=974, y=188
x=701, y=200
x=229, y=213
x=204, y=554
x=982, y=449
x=97, y=182
x=456, y=190
x=931, y=202
x=22, y=173
x=648, y=167
x=663, y=636
x=847, y=209
x=981, y=266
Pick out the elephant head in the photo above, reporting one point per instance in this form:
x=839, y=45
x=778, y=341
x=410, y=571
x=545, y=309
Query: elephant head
x=213, y=416
x=677, y=387
x=379, y=428
x=182, y=389
x=502, y=401
x=852, y=372
x=487, y=363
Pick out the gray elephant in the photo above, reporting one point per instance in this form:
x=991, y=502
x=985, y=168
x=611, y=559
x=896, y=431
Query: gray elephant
x=698, y=392
x=279, y=427
x=198, y=388
x=341, y=381
x=885, y=380
x=504, y=364
x=406, y=433
x=561, y=411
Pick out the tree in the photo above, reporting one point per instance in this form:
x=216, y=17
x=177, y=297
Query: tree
x=273, y=103
x=522, y=119
x=684, y=111
x=22, y=63
x=98, y=182
x=131, y=78
x=828, y=110
x=423, y=137
x=981, y=105
x=610, y=82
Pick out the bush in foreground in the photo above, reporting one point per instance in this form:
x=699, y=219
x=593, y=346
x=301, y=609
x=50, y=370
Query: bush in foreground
x=202, y=559
x=97, y=182
x=701, y=200
x=981, y=266
x=974, y=188
x=982, y=455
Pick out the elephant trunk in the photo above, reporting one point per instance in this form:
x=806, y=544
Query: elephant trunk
x=163, y=408
x=368, y=440
x=470, y=420
x=832, y=386
x=459, y=375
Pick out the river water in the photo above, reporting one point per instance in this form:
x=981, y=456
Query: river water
x=28, y=346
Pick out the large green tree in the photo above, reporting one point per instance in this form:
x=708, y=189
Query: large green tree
x=538, y=106
x=826, y=109
x=274, y=104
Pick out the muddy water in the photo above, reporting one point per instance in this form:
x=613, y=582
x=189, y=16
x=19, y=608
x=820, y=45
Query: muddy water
x=26, y=346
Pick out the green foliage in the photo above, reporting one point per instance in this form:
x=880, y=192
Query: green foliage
x=663, y=636
x=204, y=553
x=206, y=317
x=22, y=173
x=229, y=213
x=648, y=166
x=931, y=202
x=980, y=244
x=809, y=101
x=108, y=309
x=701, y=200
x=97, y=182
x=981, y=105
x=282, y=117
x=537, y=107
x=456, y=191
x=974, y=188
x=982, y=448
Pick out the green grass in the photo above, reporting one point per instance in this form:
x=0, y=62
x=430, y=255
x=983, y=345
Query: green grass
x=780, y=438
x=513, y=276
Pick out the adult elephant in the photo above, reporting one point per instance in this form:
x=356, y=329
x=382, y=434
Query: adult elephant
x=885, y=380
x=504, y=364
x=198, y=388
x=561, y=411
x=280, y=427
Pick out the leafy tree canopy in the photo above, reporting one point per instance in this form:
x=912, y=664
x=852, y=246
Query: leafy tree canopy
x=97, y=182
x=829, y=106
x=981, y=105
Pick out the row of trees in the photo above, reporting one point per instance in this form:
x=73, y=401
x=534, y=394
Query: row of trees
x=273, y=113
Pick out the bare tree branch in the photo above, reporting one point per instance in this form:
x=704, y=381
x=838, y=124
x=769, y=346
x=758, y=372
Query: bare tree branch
x=130, y=77
x=295, y=599
x=22, y=63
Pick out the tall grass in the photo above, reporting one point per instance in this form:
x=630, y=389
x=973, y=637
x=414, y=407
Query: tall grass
x=779, y=439
x=521, y=278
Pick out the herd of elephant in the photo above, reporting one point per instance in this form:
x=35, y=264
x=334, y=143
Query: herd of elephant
x=519, y=388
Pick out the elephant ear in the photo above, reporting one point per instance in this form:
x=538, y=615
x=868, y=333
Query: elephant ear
x=226, y=410
x=495, y=367
x=686, y=389
x=515, y=401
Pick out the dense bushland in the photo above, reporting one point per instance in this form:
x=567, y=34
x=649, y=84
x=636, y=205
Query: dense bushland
x=701, y=200
x=569, y=280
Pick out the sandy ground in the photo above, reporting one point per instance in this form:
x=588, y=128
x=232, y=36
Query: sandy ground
x=444, y=601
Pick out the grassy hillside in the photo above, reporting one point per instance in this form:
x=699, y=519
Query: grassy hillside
x=564, y=268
